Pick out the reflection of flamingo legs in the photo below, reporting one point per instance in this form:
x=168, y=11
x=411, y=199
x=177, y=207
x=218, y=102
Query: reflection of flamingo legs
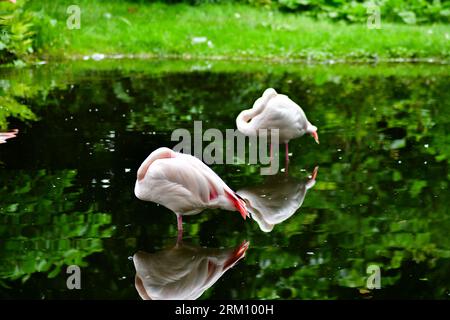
x=180, y=228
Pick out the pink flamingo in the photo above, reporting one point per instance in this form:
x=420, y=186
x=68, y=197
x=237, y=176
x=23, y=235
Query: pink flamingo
x=276, y=111
x=8, y=135
x=184, y=184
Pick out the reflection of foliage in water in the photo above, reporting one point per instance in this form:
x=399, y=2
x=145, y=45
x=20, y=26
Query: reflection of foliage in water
x=382, y=203
x=9, y=107
x=12, y=92
x=381, y=195
x=387, y=215
x=17, y=86
x=41, y=229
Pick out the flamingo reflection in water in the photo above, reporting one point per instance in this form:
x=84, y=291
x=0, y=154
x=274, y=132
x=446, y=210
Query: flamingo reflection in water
x=183, y=272
x=277, y=199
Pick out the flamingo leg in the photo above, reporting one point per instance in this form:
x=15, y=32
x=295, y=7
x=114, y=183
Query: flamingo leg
x=180, y=228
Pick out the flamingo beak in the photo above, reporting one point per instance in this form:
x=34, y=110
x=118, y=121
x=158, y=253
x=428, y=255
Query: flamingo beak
x=315, y=136
x=238, y=203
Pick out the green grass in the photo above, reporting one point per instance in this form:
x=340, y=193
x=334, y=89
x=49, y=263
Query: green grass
x=235, y=31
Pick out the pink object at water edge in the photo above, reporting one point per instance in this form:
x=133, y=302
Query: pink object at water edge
x=8, y=135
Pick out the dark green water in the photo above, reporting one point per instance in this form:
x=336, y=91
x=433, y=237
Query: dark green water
x=381, y=197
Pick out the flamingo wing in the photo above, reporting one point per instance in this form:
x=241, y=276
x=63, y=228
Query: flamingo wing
x=216, y=184
x=218, y=188
x=178, y=185
x=278, y=116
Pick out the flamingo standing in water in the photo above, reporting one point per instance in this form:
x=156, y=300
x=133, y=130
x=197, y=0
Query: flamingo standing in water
x=184, y=184
x=276, y=111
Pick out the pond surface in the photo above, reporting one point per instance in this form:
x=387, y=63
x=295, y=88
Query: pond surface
x=380, y=197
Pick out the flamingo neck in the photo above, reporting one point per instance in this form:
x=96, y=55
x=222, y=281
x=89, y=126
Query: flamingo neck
x=244, y=119
x=161, y=153
x=310, y=128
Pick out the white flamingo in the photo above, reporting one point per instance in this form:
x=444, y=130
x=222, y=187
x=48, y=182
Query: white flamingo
x=8, y=135
x=183, y=272
x=276, y=200
x=183, y=184
x=276, y=111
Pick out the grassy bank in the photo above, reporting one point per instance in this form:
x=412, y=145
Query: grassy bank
x=225, y=31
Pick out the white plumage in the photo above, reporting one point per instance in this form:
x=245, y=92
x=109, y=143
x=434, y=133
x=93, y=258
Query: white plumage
x=276, y=200
x=183, y=184
x=276, y=111
x=183, y=272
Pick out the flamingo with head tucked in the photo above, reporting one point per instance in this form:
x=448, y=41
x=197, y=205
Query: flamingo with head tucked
x=184, y=184
x=276, y=199
x=276, y=111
